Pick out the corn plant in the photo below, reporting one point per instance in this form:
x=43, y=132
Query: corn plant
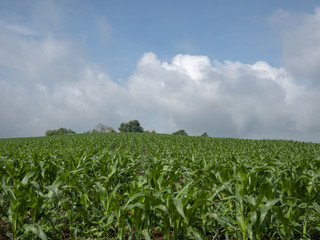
x=151, y=186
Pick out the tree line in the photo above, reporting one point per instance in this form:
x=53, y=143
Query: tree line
x=131, y=126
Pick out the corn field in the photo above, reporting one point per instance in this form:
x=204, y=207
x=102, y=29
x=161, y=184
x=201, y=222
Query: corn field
x=154, y=186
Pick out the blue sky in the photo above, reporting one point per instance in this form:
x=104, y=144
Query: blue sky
x=197, y=65
x=234, y=30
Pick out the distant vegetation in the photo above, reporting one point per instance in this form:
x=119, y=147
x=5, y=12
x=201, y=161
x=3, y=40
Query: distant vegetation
x=180, y=132
x=60, y=131
x=102, y=128
x=153, y=132
x=205, y=135
x=132, y=126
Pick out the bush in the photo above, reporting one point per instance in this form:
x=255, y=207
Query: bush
x=180, y=132
x=60, y=131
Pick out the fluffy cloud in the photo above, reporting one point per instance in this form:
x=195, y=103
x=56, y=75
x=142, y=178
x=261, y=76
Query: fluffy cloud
x=300, y=34
x=47, y=82
x=223, y=98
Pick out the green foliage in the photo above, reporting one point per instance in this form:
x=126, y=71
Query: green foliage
x=111, y=130
x=137, y=186
x=180, y=132
x=60, y=131
x=50, y=132
x=204, y=135
x=131, y=126
x=152, y=132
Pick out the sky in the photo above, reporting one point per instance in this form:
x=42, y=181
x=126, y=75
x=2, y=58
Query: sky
x=243, y=69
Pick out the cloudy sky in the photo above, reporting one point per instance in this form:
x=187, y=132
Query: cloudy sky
x=245, y=69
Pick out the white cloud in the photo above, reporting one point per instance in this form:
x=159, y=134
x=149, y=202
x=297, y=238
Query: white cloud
x=192, y=66
x=46, y=83
x=223, y=98
x=20, y=30
x=300, y=34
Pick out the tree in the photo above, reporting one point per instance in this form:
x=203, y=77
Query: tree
x=111, y=130
x=205, y=135
x=69, y=131
x=49, y=132
x=60, y=131
x=131, y=126
x=180, y=132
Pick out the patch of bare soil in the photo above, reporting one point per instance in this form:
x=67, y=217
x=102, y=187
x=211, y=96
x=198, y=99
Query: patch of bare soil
x=4, y=228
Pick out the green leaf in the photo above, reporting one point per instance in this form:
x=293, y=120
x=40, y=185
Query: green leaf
x=316, y=206
x=36, y=229
x=133, y=197
x=163, y=208
x=184, y=190
x=139, y=205
x=265, y=208
x=146, y=234
x=29, y=175
x=194, y=233
x=179, y=206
